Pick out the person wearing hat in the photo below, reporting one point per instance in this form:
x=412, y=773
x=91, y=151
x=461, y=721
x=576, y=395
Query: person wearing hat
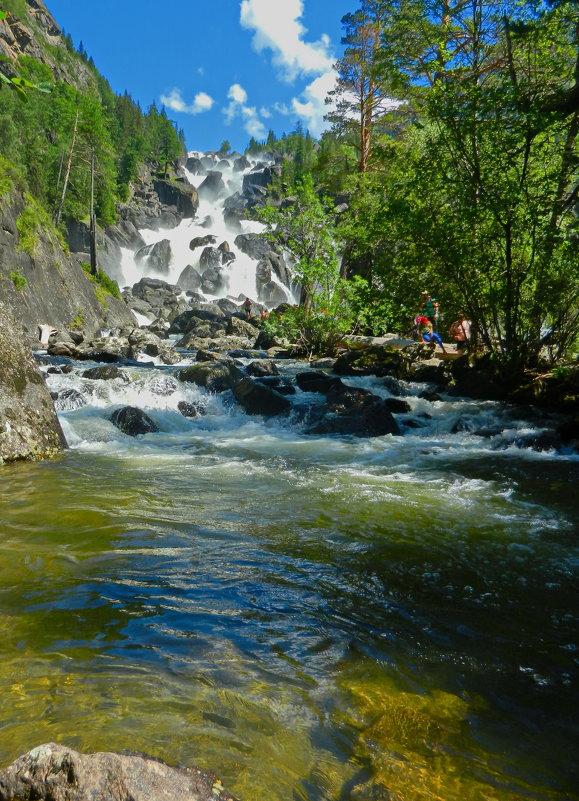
x=429, y=307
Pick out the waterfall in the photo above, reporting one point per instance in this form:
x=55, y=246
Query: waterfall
x=239, y=274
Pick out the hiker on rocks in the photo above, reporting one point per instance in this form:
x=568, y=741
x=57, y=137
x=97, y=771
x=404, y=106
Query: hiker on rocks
x=460, y=332
x=247, y=304
x=427, y=334
x=429, y=307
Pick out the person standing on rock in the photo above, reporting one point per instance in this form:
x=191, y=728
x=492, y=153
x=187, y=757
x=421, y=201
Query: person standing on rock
x=429, y=307
x=247, y=304
x=460, y=332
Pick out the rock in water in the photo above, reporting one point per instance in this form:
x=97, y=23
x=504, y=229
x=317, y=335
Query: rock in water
x=133, y=421
x=29, y=427
x=53, y=772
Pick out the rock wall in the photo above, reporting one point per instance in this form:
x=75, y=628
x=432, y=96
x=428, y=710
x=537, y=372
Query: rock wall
x=29, y=427
x=43, y=284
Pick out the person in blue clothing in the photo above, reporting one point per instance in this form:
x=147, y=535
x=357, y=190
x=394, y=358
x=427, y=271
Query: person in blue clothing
x=426, y=332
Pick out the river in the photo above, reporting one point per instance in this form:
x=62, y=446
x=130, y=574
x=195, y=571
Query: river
x=320, y=618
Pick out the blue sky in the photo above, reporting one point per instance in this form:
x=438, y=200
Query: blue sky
x=224, y=69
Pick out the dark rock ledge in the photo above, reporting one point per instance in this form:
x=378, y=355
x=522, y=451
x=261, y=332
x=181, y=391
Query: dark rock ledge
x=54, y=772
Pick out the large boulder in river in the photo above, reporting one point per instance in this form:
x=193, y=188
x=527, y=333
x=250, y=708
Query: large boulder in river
x=29, y=427
x=380, y=360
x=52, y=772
x=216, y=376
x=255, y=246
x=259, y=399
x=158, y=256
x=133, y=421
x=179, y=194
x=213, y=186
x=202, y=241
x=189, y=280
x=356, y=411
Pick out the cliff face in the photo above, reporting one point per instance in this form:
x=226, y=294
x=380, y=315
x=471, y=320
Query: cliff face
x=40, y=282
x=29, y=427
x=37, y=35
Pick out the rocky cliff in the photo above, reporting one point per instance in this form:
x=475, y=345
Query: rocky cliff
x=29, y=427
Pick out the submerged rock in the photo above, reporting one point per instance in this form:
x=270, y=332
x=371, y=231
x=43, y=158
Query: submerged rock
x=54, y=772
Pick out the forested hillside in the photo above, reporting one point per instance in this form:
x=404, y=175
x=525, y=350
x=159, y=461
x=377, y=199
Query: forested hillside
x=57, y=137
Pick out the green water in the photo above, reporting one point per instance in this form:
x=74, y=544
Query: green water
x=310, y=620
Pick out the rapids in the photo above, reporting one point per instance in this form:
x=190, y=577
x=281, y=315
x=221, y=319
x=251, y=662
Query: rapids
x=309, y=617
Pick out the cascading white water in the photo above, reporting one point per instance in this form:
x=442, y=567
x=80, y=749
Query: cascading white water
x=239, y=275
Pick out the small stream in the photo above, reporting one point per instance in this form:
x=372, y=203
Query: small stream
x=318, y=618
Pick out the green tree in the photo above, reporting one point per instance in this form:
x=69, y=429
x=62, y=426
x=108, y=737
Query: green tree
x=306, y=230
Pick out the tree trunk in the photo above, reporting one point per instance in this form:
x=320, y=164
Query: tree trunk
x=67, y=172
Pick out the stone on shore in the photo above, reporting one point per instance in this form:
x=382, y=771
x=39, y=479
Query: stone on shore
x=53, y=772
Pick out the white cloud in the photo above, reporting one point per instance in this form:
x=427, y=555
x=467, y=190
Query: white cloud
x=310, y=106
x=238, y=108
x=278, y=28
x=201, y=102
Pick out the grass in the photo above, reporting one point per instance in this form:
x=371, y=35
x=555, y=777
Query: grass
x=104, y=286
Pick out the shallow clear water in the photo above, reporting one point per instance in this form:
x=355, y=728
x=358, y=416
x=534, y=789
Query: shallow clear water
x=311, y=618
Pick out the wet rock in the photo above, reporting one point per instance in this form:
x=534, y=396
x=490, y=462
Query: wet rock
x=241, y=164
x=212, y=281
x=313, y=381
x=105, y=373
x=212, y=187
x=193, y=164
x=281, y=385
x=325, y=363
x=397, y=406
x=379, y=360
x=158, y=256
x=261, y=368
x=259, y=399
x=69, y=399
x=182, y=196
x=356, y=411
x=202, y=241
x=60, y=369
x=210, y=259
x=133, y=421
x=189, y=280
x=241, y=328
x=188, y=409
x=54, y=772
x=215, y=376
x=255, y=246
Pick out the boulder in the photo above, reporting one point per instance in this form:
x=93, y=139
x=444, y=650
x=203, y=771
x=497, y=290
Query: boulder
x=54, y=772
x=69, y=399
x=176, y=193
x=133, y=421
x=379, y=360
x=255, y=246
x=215, y=376
x=241, y=164
x=105, y=373
x=189, y=280
x=259, y=399
x=261, y=368
x=313, y=381
x=241, y=328
x=357, y=412
x=158, y=256
x=210, y=259
x=202, y=241
x=213, y=186
x=194, y=166
x=211, y=281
